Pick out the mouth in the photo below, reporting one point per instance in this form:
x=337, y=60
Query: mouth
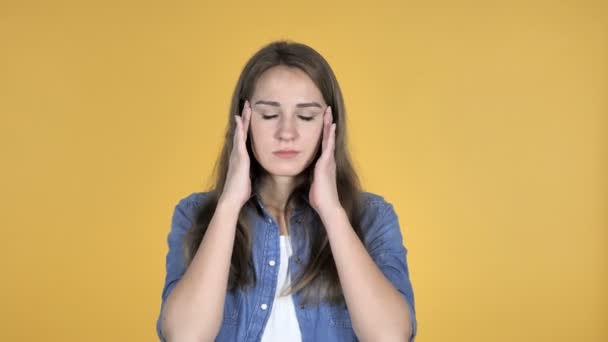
x=286, y=154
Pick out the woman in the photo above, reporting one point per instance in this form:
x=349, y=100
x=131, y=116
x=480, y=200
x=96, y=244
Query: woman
x=286, y=246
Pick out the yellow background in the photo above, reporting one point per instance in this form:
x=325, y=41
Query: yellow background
x=484, y=123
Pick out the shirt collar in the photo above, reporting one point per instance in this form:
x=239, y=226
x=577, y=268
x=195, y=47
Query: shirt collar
x=298, y=210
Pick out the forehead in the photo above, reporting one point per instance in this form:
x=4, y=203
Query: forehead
x=286, y=84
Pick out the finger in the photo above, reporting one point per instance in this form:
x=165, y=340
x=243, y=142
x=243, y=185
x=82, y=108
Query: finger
x=242, y=116
x=329, y=150
x=329, y=122
x=247, y=119
x=326, y=127
x=237, y=129
x=323, y=130
x=332, y=139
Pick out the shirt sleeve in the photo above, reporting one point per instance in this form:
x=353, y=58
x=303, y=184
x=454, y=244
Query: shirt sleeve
x=385, y=246
x=175, y=261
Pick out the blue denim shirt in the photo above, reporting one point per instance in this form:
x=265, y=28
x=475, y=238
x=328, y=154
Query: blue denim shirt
x=245, y=316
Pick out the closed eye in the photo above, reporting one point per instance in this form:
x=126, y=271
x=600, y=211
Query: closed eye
x=305, y=118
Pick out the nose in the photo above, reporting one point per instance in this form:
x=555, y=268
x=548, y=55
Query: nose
x=287, y=129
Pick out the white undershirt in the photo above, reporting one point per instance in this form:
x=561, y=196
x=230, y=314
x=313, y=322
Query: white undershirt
x=282, y=324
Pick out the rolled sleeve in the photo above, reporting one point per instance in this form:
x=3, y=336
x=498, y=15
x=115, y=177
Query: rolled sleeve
x=175, y=260
x=385, y=245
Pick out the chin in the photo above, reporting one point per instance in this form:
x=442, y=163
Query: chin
x=285, y=171
x=283, y=168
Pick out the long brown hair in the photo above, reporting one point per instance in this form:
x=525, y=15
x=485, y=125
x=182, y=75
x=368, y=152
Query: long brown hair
x=318, y=279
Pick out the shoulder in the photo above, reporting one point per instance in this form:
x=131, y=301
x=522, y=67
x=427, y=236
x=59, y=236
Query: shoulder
x=378, y=217
x=374, y=205
x=372, y=199
x=193, y=199
x=188, y=204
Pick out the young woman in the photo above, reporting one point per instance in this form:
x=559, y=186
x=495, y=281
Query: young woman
x=286, y=246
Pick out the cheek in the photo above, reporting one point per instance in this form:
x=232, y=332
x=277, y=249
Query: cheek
x=314, y=136
x=319, y=132
x=259, y=135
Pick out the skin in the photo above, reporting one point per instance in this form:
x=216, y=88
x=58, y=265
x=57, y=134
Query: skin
x=193, y=311
x=288, y=112
x=377, y=309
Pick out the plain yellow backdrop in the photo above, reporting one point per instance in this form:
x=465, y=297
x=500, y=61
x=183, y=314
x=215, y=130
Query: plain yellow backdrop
x=485, y=123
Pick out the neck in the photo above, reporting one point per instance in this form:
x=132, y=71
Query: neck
x=275, y=190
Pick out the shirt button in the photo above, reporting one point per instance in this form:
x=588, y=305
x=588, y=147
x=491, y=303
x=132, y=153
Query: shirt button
x=269, y=220
x=264, y=306
x=271, y=263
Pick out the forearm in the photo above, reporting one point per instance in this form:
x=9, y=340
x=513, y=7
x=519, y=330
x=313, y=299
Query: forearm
x=378, y=311
x=194, y=309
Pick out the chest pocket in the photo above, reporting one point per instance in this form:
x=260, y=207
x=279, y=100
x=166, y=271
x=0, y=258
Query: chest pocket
x=232, y=306
x=338, y=316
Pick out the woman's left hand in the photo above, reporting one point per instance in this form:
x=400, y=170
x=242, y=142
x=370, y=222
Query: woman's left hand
x=323, y=195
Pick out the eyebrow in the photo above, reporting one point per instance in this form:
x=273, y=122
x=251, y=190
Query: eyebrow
x=299, y=105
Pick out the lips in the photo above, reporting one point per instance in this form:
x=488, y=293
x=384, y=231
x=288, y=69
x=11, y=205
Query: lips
x=286, y=153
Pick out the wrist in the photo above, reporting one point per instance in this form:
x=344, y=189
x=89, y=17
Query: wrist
x=328, y=214
x=228, y=206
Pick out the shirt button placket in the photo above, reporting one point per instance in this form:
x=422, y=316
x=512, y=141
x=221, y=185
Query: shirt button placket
x=272, y=263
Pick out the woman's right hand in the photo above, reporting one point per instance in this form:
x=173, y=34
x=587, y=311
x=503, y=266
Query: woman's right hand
x=237, y=188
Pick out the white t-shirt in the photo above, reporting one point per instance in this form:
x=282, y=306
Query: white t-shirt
x=282, y=324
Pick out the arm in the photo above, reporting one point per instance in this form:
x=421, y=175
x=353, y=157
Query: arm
x=378, y=310
x=193, y=311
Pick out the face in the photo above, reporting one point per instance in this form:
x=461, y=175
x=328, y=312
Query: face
x=287, y=115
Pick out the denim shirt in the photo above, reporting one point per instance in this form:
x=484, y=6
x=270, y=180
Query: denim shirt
x=246, y=311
